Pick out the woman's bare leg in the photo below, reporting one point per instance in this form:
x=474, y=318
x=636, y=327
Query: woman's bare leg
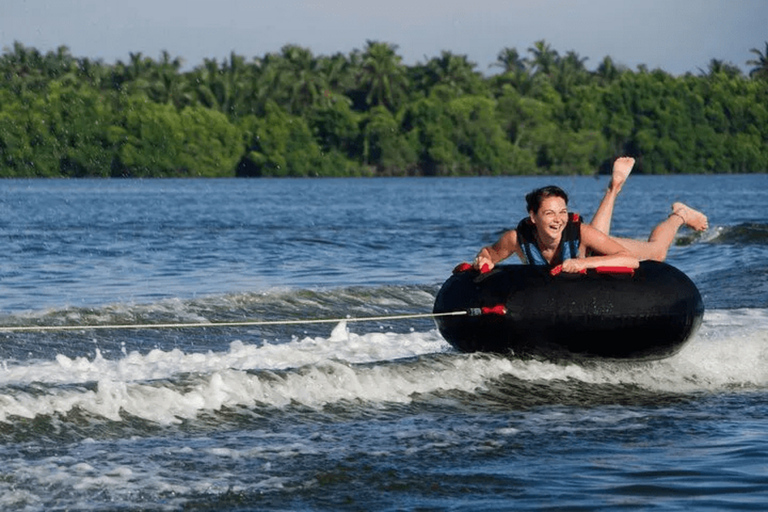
x=692, y=218
x=621, y=169
x=663, y=235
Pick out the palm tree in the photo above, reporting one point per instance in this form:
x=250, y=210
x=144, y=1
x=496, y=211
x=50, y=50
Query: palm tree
x=761, y=63
x=301, y=77
x=515, y=71
x=544, y=58
x=608, y=71
x=134, y=75
x=25, y=69
x=569, y=72
x=337, y=74
x=22, y=61
x=292, y=78
x=21, y=68
x=240, y=79
x=59, y=64
x=382, y=75
x=262, y=83
x=93, y=72
x=717, y=67
x=166, y=85
x=208, y=85
x=226, y=87
x=455, y=72
x=509, y=61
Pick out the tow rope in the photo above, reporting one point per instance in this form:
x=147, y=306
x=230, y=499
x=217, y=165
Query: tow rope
x=495, y=310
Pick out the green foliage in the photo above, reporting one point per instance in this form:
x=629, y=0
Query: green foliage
x=385, y=146
x=335, y=125
x=296, y=114
x=157, y=140
x=279, y=145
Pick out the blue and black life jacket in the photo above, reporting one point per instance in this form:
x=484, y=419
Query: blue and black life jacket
x=569, y=243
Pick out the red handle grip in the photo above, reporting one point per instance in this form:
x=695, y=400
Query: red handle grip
x=559, y=268
x=495, y=310
x=463, y=267
x=615, y=270
x=600, y=270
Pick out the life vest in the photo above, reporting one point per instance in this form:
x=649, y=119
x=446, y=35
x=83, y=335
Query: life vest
x=569, y=243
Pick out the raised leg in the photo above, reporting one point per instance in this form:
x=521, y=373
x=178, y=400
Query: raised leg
x=692, y=218
x=663, y=235
x=621, y=169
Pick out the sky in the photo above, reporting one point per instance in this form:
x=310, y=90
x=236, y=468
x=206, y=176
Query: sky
x=677, y=36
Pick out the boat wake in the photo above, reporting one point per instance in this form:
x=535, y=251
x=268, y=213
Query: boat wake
x=370, y=369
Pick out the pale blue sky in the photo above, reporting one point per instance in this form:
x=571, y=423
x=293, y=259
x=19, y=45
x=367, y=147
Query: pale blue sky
x=675, y=35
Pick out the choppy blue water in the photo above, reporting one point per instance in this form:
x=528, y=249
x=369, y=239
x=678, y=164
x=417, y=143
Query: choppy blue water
x=355, y=416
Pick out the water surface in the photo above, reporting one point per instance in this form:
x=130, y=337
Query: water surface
x=355, y=415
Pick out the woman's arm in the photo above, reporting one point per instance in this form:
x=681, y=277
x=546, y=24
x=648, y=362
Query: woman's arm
x=501, y=250
x=614, y=254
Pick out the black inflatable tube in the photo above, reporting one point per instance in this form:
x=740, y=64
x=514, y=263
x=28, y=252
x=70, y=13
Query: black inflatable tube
x=648, y=315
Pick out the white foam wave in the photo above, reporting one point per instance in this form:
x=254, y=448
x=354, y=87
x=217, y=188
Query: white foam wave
x=158, y=364
x=313, y=386
x=729, y=352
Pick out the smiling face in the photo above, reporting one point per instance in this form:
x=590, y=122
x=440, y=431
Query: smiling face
x=551, y=218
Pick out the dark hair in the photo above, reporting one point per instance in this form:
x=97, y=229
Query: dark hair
x=534, y=198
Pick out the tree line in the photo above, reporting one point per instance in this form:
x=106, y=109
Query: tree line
x=366, y=113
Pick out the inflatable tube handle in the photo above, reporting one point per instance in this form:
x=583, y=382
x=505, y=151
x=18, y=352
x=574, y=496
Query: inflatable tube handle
x=559, y=268
x=500, y=309
x=463, y=267
x=488, y=310
x=600, y=270
x=615, y=270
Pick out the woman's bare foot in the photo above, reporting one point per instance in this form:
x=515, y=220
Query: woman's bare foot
x=692, y=218
x=621, y=169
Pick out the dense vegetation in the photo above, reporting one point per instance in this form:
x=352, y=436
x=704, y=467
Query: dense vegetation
x=296, y=114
